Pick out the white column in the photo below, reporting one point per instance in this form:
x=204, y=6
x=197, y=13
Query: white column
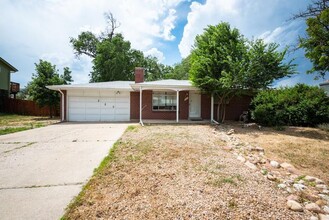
x=212, y=108
x=177, y=107
x=140, y=105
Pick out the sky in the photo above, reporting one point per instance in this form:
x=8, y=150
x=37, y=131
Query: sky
x=41, y=29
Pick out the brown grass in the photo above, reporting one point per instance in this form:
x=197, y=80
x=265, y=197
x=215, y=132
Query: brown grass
x=306, y=148
x=177, y=172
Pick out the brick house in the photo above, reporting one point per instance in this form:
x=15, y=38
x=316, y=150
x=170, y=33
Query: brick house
x=137, y=100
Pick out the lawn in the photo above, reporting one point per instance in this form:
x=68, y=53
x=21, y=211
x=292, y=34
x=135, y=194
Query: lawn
x=177, y=172
x=305, y=148
x=10, y=123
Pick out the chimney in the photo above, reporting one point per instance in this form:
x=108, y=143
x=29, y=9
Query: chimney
x=139, y=74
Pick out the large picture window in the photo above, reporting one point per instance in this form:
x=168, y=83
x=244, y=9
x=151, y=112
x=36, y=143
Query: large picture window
x=164, y=101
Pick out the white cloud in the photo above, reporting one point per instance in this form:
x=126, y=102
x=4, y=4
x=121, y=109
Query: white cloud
x=250, y=17
x=155, y=53
x=36, y=29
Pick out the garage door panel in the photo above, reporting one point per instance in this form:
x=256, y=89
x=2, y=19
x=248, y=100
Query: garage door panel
x=98, y=106
x=73, y=93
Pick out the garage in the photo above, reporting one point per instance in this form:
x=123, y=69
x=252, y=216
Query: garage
x=98, y=105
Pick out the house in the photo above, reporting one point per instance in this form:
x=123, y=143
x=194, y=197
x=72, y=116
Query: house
x=6, y=86
x=137, y=100
x=325, y=86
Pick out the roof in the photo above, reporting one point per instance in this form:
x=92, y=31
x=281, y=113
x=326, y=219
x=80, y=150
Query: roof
x=113, y=85
x=324, y=83
x=11, y=67
x=130, y=85
x=165, y=84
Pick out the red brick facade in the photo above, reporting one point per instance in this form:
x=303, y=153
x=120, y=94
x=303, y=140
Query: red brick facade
x=139, y=74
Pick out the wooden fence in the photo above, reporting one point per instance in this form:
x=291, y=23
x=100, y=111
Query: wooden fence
x=24, y=107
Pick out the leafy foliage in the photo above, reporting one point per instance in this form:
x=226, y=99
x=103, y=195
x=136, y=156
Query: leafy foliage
x=300, y=105
x=225, y=64
x=113, y=57
x=180, y=70
x=316, y=42
x=47, y=74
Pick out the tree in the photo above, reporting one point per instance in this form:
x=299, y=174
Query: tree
x=113, y=57
x=180, y=70
x=66, y=77
x=316, y=42
x=225, y=64
x=46, y=74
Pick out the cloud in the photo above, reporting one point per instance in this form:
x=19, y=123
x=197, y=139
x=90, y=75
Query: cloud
x=41, y=29
x=155, y=53
x=252, y=18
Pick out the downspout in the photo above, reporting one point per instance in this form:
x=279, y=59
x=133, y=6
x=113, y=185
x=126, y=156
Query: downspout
x=62, y=103
x=177, y=108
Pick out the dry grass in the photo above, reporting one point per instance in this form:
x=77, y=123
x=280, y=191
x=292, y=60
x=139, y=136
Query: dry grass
x=10, y=123
x=177, y=172
x=305, y=148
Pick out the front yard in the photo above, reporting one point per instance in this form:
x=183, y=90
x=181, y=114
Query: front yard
x=181, y=172
x=10, y=123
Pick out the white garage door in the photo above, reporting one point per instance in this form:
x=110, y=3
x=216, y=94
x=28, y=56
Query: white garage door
x=98, y=105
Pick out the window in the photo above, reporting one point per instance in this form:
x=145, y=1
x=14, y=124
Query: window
x=164, y=101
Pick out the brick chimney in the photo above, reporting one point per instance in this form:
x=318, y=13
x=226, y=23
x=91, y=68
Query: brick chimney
x=139, y=74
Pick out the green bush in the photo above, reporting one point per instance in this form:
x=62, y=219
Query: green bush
x=301, y=105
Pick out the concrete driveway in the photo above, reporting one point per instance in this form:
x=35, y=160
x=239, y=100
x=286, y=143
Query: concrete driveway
x=41, y=170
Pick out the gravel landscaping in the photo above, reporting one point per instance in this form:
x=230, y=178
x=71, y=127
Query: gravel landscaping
x=179, y=172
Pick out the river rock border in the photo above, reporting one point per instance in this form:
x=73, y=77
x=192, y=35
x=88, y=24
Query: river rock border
x=304, y=193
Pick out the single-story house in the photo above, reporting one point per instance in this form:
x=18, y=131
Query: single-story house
x=138, y=100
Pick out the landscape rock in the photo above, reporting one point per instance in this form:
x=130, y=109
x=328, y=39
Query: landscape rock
x=241, y=158
x=313, y=208
x=295, y=206
x=310, y=178
x=319, y=181
x=257, y=149
x=271, y=177
x=325, y=191
x=286, y=165
x=299, y=187
x=323, y=217
x=293, y=197
x=228, y=148
x=321, y=202
x=314, y=218
x=231, y=131
x=282, y=186
x=326, y=209
x=325, y=197
x=274, y=164
x=251, y=165
x=321, y=186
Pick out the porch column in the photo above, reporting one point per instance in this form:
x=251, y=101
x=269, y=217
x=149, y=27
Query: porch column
x=177, y=107
x=212, y=108
x=140, y=105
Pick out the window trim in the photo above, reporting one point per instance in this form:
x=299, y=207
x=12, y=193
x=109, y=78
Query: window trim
x=172, y=108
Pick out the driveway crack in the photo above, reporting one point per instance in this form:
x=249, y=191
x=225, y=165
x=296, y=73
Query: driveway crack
x=42, y=186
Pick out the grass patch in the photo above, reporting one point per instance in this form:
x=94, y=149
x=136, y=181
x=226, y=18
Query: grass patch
x=133, y=128
x=220, y=181
x=13, y=130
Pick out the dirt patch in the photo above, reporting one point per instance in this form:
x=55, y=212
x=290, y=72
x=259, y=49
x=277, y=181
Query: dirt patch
x=178, y=172
x=306, y=148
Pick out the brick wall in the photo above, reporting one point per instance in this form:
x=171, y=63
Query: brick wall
x=148, y=113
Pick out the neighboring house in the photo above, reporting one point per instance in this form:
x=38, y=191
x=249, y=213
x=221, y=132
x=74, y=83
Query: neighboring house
x=138, y=100
x=6, y=86
x=325, y=86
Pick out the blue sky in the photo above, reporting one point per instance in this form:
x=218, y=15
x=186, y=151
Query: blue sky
x=40, y=29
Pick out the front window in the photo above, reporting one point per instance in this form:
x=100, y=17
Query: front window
x=164, y=101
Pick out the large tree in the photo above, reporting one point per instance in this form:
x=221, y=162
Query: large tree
x=225, y=64
x=180, y=70
x=47, y=74
x=316, y=43
x=113, y=57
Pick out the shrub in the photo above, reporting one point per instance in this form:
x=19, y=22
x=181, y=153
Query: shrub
x=301, y=105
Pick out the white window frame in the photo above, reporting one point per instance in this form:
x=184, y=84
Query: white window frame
x=169, y=98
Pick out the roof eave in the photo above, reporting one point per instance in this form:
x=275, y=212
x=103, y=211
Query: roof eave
x=11, y=67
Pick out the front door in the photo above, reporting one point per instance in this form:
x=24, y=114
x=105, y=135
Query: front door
x=195, y=105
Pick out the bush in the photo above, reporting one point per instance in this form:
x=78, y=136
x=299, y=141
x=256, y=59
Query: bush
x=301, y=105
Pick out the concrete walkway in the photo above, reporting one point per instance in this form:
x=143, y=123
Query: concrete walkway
x=41, y=170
